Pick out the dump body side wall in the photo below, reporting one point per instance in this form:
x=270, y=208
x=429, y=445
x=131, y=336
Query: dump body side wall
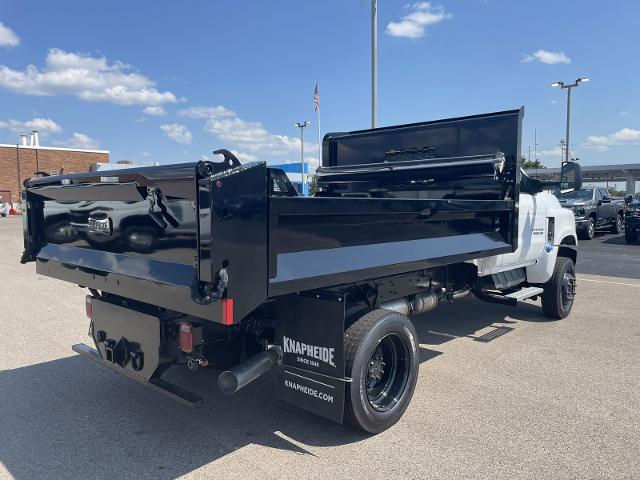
x=319, y=242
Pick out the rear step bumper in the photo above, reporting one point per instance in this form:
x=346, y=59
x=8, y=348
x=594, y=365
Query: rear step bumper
x=173, y=391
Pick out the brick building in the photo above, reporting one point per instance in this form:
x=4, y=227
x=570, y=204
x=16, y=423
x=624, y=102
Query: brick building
x=18, y=162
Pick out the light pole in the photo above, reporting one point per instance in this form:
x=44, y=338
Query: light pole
x=374, y=63
x=568, y=87
x=301, y=126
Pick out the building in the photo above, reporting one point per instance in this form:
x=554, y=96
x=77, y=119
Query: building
x=293, y=172
x=21, y=161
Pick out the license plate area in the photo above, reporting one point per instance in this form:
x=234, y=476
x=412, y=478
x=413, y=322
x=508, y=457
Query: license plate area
x=102, y=226
x=126, y=338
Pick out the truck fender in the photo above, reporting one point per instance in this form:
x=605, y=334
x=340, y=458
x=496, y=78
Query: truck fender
x=541, y=271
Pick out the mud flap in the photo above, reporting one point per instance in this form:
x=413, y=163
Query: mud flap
x=310, y=328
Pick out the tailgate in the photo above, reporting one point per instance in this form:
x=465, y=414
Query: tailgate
x=162, y=235
x=130, y=232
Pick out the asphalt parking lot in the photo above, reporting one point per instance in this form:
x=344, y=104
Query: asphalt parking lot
x=608, y=254
x=546, y=399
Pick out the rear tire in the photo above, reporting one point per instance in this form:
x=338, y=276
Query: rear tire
x=558, y=296
x=381, y=358
x=617, y=224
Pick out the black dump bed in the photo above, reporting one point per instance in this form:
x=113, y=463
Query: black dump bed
x=183, y=237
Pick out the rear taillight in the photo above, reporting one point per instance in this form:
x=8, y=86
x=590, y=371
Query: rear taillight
x=88, y=306
x=227, y=311
x=186, y=337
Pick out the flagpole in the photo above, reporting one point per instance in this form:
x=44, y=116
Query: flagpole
x=319, y=131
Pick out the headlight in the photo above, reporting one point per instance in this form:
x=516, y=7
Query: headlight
x=579, y=211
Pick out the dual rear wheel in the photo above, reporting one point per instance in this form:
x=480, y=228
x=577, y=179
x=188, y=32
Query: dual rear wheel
x=381, y=357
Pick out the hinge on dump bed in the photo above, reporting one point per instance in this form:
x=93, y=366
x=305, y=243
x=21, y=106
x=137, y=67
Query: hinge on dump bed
x=205, y=293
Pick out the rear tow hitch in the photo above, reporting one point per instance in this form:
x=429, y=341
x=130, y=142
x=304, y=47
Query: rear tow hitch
x=121, y=352
x=194, y=362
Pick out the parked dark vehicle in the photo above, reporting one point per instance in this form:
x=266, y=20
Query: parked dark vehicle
x=594, y=208
x=240, y=273
x=632, y=222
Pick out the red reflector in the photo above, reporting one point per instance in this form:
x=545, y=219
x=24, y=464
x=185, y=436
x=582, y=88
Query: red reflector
x=88, y=306
x=186, y=337
x=227, y=311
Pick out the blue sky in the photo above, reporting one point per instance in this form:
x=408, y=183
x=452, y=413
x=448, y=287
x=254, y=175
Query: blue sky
x=171, y=81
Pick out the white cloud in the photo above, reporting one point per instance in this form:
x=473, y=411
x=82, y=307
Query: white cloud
x=624, y=113
x=206, y=112
x=626, y=136
x=248, y=140
x=244, y=157
x=178, y=133
x=555, y=151
x=249, y=136
x=8, y=37
x=79, y=140
x=413, y=25
x=154, y=110
x=86, y=77
x=544, y=56
x=45, y=125
x=597, y=148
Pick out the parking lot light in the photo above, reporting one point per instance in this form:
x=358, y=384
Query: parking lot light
x=568, y=87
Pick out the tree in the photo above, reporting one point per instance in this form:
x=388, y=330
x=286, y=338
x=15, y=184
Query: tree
x=313, y=184
x=530, y=164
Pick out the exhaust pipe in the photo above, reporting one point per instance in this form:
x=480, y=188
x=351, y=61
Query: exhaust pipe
x=246, y=372
x=419, y=303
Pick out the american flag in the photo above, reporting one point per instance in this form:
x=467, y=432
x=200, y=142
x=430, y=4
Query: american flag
x=316, y=97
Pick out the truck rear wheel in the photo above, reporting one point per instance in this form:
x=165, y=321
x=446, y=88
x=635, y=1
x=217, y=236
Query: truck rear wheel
x=381, y=358
x=559, y=291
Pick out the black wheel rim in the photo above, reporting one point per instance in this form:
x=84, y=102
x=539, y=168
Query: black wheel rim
x=619, y=224
x=388, y=373
x=568, y=289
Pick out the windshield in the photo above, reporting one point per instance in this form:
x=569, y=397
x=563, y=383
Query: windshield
x=582, y=194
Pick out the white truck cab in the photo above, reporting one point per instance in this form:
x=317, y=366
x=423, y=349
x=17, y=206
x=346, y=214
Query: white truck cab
x=543, y=263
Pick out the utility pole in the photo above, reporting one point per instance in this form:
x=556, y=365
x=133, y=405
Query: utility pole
x=568, y=87
x=301, y=126
x=374, y=63
x=535, y=144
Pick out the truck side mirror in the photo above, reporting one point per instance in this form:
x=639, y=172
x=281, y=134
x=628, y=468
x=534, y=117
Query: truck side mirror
x=570, y=176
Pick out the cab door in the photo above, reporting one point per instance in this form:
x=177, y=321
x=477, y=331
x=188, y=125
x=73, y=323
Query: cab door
x=605, y=206
x=532, y=231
